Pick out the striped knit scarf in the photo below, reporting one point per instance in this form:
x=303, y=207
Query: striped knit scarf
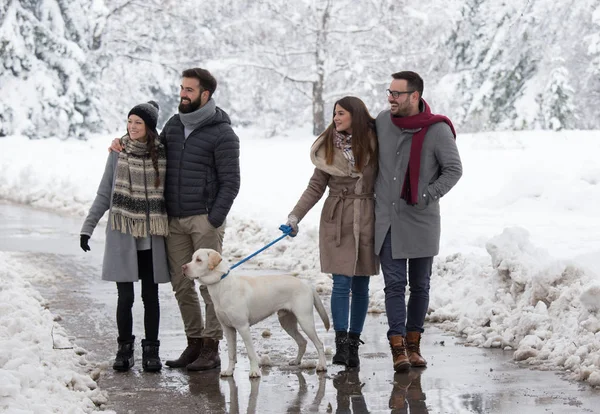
x=137, y=205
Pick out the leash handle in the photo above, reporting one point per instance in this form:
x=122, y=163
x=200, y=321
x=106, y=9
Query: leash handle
x=286, y=232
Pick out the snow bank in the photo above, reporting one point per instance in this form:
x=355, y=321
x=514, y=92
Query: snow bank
x=40, y=370
x=546, y=310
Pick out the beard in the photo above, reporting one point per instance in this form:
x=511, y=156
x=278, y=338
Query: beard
x=401, y=110
x=185, y=106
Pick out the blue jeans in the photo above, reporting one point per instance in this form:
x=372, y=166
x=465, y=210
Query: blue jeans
x=400, y=318
x=340, y=298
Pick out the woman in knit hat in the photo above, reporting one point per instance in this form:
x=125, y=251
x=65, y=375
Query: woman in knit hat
x=132, y=190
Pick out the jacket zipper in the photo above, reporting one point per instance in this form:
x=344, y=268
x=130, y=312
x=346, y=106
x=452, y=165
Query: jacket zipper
x=179, y=207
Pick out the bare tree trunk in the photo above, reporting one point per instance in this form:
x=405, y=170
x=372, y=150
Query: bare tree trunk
x=318, y=104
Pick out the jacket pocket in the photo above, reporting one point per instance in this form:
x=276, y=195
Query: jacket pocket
x=425, y=199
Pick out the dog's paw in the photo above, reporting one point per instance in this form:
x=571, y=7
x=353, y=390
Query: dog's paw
x=227, y=373
x=295, y=362
x=254, y=373
x=321, y=368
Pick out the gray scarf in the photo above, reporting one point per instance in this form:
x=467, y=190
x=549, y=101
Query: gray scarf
x=193, y=120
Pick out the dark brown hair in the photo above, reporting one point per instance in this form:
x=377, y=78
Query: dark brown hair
x=207, y=81
x=413, y=80
x=364, y=143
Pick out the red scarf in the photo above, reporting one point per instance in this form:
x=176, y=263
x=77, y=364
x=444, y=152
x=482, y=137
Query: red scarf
x=410, y=188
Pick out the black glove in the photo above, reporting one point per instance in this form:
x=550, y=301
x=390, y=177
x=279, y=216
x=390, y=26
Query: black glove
x=83, y=242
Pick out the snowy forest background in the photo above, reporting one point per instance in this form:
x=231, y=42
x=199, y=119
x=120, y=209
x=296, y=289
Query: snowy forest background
x=69, y=68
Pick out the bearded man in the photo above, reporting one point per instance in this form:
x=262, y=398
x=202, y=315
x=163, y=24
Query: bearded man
x=418, y=164
x=202, y=181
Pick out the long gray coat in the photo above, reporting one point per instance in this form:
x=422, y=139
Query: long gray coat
x=120, y=251
x=415, y=229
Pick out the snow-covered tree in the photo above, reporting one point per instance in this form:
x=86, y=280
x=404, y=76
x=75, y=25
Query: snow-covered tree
x=46, y=83
x=488, y=72
x=308, y=54
x=141, y=48
x=71, y=67
x=557, y=101
x=590, y=73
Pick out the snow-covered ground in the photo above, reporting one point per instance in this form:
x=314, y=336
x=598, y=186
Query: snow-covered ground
x=519, y=259
x=41, y=371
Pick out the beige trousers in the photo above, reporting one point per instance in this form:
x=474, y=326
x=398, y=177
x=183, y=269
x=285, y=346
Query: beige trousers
x=186, y=235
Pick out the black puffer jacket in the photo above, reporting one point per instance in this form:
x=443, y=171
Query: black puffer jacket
x=203, y=172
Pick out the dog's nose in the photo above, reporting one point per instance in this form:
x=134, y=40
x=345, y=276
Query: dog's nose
x=183, y=268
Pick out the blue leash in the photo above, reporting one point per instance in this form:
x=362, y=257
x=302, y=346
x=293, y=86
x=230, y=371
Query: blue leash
x=286, y=232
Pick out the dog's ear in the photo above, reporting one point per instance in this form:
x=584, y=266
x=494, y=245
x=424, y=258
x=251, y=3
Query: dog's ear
x=214, y=259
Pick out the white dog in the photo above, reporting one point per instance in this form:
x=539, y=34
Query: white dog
x=242, y=301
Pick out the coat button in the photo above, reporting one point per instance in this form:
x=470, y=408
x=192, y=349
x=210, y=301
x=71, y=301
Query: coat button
x=394, y=178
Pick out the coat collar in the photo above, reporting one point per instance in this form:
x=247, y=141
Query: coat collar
x=340, y=166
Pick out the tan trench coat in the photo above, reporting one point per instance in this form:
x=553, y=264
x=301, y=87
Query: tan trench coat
x=347, y=226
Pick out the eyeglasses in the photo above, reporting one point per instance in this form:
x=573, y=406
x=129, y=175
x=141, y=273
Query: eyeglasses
x=396, y=94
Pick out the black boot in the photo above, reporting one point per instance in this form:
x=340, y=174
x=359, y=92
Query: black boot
x=189, y=354
x=124, y=359
x=341, y=348
x=353, y=344
x=150, y=359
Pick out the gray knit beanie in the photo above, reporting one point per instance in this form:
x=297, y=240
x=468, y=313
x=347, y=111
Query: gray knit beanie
x=148, y=112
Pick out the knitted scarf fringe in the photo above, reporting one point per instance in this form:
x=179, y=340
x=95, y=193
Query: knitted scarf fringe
x=159, y=226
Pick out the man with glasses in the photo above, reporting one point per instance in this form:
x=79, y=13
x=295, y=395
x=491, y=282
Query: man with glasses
x=418, y=164
x=202, y=181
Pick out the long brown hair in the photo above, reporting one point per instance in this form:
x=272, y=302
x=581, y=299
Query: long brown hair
x=364, y=143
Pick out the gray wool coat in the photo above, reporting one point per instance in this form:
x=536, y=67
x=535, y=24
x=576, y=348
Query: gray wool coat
x=120, y=250
x=415, y=229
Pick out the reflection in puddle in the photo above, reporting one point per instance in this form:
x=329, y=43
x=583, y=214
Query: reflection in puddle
x=299, y=404
x=207, y=387
x=349, y=392
x=407, y=394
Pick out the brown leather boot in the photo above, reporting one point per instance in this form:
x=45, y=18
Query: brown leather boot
x=208, y=358
x=413, y=348
x=401, y=363
x=188, y=355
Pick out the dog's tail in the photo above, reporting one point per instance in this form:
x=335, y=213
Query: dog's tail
x=320, y=309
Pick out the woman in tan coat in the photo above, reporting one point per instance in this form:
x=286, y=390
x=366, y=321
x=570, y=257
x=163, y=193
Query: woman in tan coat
x=345, y=159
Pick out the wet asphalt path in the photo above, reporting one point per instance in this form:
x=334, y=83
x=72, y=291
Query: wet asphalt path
x=458, y=380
